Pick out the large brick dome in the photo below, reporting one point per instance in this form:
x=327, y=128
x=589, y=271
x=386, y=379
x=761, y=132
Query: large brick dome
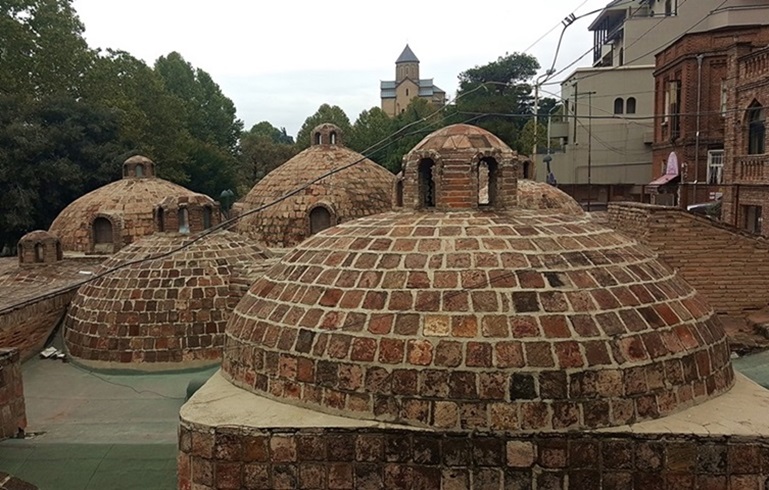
x=349, y=192
x=168, y=303
x=476, y=316
x=119, y=213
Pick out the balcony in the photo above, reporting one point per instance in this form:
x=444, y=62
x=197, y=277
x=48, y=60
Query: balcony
x=752, y=169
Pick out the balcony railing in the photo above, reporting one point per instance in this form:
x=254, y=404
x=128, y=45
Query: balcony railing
x=753, y=169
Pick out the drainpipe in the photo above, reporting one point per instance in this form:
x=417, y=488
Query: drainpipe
x=697, y=132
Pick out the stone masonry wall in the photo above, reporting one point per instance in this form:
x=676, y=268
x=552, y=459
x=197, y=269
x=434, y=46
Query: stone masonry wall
x=728, y=266
x=12, y=412
x=27, y=326
x=363, y=459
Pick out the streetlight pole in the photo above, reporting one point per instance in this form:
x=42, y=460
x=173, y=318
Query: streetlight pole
x=540, y=80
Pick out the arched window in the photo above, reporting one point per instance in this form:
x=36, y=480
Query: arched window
x=756, y=129
x=332, y=137
x=527, y=169
x=102, y=235
x=184, y=223
x=320, y=219
x=407, y=92
x=317, y=138
x=630, y=105
x=426, y=183
x=39, y=252
x=161, y=220
x=206, y=217
x=618, y=105
x=487, y=182
x=59, y=253
x=139, y=171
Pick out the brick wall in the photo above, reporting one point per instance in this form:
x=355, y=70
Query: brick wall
x=12, y=412
x=26, y=327
x=728, y=266
x=387, y=458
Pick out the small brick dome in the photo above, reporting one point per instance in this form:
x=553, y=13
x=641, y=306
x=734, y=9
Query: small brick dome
x=39, y=247
x=542, y=196
x=119, y=213
x=354, y=191
x=172, y=308
x=462, y=316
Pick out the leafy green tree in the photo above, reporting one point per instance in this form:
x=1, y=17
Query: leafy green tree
x=324, y=114
x=264, y=128
x=262, y=149
x=499, y=94
x=42, y=50
x=372, y=128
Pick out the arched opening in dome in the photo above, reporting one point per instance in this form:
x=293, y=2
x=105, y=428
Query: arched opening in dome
x=332, y=138
x=527, y=169
x=102, y=235
x=487, y=182
x=139, y=171
x=184, y=222
x=399, y=194
x=317, y=138
x=59, y=253
x=426, y=183
x=320, y=219
x=207, y=217
x=161, y=221
x=39, y=252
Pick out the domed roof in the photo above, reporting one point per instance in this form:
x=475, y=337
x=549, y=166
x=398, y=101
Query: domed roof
x=469, y=316
x=539, y=195
x=168, y=303
x=478, y=321
x=125, y=207
x=38, y=236
x=326, y=178
x=461, y=137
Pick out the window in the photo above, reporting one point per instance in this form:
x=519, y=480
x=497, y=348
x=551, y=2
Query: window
x=715, y=167
x=407, y=92
x=426, y=183
x=184, y=223
x=102, y=235
x=317, y=138
x=320, y=219
x=753, y=220
x=139, y=170
x=207, y=217
x=487, y=182
x=332, y=137
x=724, y=96
x=619, y=105
x=39, y=252
x=672, y=107
x=671, y=7
x=161, y=220
x=756, y=130
x=399, y=194
x=630, y=105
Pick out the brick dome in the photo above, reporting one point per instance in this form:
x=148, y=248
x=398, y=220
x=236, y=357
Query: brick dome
x=170, y=309
x=119, y=213
x=477, y=318
x=39, y=247
x=539, y=195
x=354, y=191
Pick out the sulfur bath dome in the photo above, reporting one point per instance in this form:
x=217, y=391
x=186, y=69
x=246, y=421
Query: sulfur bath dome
x=468, y=313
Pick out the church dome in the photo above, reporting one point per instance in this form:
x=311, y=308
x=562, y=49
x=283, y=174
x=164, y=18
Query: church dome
x=110, y=217
x=467, y=316
x=167, y=302
x=343, y=185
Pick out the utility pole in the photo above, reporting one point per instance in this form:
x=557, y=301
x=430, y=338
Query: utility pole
x=589, y=149
x=540, y=80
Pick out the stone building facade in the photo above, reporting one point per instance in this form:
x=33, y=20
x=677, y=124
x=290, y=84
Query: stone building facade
x=465, y=342
x=697, y=81
x=325, y=185
x=117, y=214
x=397, y=94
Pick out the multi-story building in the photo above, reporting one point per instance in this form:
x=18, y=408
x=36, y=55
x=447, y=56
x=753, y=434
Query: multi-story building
x=396, y=94
x=746, y=169
x=696, y=108
x=609, y=107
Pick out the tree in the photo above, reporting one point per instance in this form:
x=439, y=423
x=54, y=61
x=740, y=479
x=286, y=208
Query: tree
x=498, y=94
x=370, y=130
x=324, y=114
x=410, y=126
x=262, y=149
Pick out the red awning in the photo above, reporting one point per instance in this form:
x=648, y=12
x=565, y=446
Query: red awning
x=660, y=181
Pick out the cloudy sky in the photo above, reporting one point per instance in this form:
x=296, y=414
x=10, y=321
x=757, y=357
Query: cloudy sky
x=280, y=60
